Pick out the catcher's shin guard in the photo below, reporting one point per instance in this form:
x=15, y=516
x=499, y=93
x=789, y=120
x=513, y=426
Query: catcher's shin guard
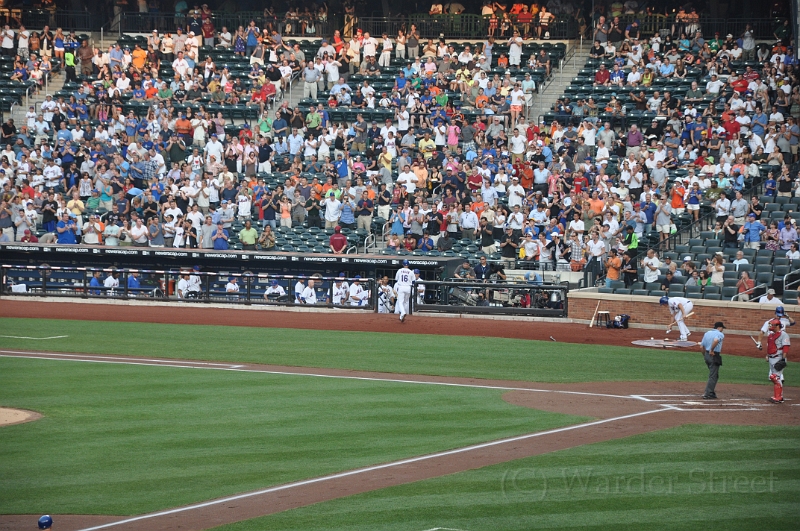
x=777, y=392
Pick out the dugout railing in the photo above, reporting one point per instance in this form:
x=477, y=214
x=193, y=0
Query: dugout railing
x=490, y=298
x=164, y=285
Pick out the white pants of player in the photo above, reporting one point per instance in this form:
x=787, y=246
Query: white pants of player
x=679, y=319
x=401, y=305
x=772, y=362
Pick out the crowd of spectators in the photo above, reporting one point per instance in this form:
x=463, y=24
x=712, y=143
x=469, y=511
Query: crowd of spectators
x=454, y=159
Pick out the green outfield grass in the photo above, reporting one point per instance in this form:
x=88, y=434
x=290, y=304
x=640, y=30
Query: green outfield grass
x=692, y=477
x=478, y=357
x=121, y=439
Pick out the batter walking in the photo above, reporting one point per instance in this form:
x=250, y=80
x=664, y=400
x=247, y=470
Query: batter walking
x=777, y=350
x=403, y=280
x=712, y=353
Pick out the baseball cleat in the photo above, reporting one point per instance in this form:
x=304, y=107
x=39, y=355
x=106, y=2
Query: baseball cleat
x=776, y=400
x=709, y=397
x=402, y=318
x=683, y=338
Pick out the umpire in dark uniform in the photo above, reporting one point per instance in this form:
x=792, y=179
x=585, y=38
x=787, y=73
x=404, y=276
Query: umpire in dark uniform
x=712, y=353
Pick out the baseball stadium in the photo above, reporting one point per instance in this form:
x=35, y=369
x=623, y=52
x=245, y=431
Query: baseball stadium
x=408, y=267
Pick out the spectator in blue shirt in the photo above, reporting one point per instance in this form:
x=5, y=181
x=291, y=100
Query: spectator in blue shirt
x=82, y=111
x=758, y=123
x=426, y=242
x=64, y=133
x=752, y=232
x=770, y=185
x=617, y=75
x=220, y=238
x=666, y=69
x=737, y=181
x=66, y=230
x=649, y=209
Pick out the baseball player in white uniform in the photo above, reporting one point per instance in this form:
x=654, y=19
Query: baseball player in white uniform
x=420, y=295
x=386, y=295
x=777, y=351
x=298, y=289
x=786, y=321
x=679, y=308
x=195, y=283
x=232, y=289
x=358, y=295
x=274, y=291
x=309, y=295
x=112, y=283
x=340, y=292
x=403, y=280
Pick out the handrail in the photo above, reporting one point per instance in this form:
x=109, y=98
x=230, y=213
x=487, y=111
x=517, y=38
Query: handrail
x=747, y=291
x=787, y=275
x=370, y=242
x=353, y=249
x=385, y=231
x=27, y=96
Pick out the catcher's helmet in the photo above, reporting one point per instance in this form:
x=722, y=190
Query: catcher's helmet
x=663, y=300
x=776, y=322
x=780, y=310
x=45, y=522
x=405, y=262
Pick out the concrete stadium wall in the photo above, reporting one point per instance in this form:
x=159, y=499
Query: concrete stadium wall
x=645, y=312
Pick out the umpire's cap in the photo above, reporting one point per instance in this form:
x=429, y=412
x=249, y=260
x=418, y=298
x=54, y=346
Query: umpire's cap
x=45, y=522
x=663, y=300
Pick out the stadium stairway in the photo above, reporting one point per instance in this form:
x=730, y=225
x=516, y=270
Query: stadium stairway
x=18, y=111
x=560, y=79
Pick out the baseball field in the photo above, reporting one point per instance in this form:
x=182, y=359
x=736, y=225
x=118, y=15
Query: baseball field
x=216, y=425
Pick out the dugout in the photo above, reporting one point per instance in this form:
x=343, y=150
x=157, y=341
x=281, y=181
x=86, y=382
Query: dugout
x=327, y=265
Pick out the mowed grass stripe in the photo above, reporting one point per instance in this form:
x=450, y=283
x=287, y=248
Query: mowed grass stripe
x=118, y=439
x=678, y=491
x=490, y=358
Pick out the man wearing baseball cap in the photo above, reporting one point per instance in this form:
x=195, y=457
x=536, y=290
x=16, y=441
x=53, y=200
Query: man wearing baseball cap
x=786, y=321
x=712, y=353
x=752, y=232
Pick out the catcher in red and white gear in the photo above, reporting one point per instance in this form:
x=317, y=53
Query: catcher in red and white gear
x=777, y=351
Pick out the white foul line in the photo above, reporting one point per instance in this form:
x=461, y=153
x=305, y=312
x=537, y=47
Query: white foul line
x=369, y=469
x=238, y=368
x=26, y=337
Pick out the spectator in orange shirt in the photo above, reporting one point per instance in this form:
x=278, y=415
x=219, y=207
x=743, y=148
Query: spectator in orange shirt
x=184, y=128
x=370, y=191
x=316, y=189
x=151, y=92
x=481, y=99
x=678, y=193
x=478, y=206
x=139, y=57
